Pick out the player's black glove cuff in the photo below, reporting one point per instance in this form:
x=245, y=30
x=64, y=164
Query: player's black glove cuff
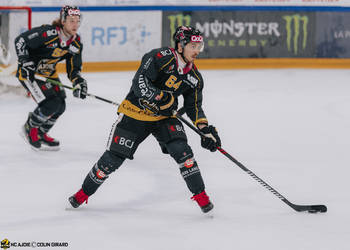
x=211, y=140
x=80, y=88
x=167, y=104
x=26, y=71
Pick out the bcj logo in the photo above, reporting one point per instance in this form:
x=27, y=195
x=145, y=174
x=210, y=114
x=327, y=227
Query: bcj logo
x=297, y=33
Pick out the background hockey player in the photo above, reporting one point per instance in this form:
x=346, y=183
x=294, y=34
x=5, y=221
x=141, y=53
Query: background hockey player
x=39, y=50
x=164, y=75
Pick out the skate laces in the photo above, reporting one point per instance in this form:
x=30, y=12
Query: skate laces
x=80, y=196
x=33, y=133
x=201, y=198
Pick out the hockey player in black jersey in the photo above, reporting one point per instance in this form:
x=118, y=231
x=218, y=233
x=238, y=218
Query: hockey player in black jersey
x=163, y=76
x=39, y=50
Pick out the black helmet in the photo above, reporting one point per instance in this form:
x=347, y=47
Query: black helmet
x=186, y=34
x=68, y=10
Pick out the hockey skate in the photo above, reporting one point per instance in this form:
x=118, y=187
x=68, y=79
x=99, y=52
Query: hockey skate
x=79, y=198
x=30, y=135
x=48, y=143
x=203, y=201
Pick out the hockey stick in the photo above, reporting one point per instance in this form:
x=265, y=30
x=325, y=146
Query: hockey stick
x=298, y=208
x=71, y=88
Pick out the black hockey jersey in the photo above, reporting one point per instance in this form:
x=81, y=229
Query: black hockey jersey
x=159, y=71
x=42, y=45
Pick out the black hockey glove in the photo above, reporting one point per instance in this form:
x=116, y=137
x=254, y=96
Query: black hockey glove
x=211, y=140
x=80, y=88
x=26, y=71
x=167, y=104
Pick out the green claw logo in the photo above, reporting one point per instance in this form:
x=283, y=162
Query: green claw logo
x=300, y=24
x=176, y=21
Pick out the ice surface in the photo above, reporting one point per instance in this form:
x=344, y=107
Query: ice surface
x=290, y=127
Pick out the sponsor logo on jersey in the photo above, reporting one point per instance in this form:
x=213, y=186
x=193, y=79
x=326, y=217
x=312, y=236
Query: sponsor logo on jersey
x=73, y=49
x=52, y=32
x=176, y=128
x=192, y=81
x=145, y=89
x=124, y=141
x=52, y=45
x=166, y=52
x=20, y=45
x=31, y=36
x=147, y=63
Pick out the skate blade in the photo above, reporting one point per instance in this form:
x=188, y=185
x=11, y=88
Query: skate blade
x=45, y=147
x=210, y=214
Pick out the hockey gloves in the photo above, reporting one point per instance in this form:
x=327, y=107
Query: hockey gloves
x=26, y=71
x=167, y=104
x=80, y=88
x=211, y=140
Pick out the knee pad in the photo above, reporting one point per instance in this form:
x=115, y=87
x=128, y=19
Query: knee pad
x=106, y=165
x=52, y=106
x=60, y=109
x=179, y=150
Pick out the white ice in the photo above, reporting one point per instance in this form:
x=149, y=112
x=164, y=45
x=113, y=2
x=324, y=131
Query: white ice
x=290, y=127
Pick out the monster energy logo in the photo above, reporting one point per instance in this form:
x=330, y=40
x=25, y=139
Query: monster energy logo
x=176, y=21
x=300, y=25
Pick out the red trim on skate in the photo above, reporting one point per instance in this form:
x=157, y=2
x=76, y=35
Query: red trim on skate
x=202, y=199
x=48, y=138
x=33, y=133
x=80, y=196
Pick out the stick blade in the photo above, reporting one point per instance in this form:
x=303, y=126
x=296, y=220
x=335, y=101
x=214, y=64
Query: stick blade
x=317, y=209
x=310, y=208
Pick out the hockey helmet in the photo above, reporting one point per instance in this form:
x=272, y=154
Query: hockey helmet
x=187, y=34
x=68, y=10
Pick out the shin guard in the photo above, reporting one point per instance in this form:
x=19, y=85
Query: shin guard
x=107, y=164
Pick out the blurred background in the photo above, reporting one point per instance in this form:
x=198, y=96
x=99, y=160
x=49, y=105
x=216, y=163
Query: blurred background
x=238, y=33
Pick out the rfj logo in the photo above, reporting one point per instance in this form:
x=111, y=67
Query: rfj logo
x=176, y=21
x=297, y=33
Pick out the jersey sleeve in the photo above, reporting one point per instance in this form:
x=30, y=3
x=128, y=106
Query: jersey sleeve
x=74, y=61
x=31, y=39
x=193, y=100
x=146, y=74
